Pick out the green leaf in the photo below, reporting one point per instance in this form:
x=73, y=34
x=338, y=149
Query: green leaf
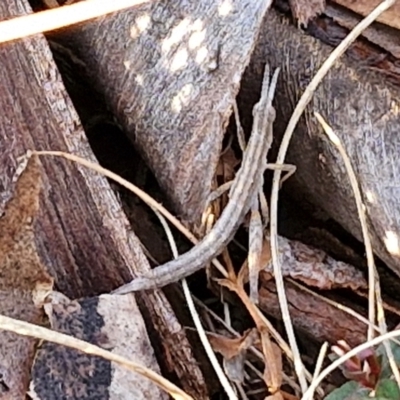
x=388, y=389
x=386, y=371
x=349, y=391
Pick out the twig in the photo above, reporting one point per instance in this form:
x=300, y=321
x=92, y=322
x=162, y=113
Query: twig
x=373, y=277
x=196, y=318
x=253, y=349
x=300, y=107
x=56, y=18
x=320, y=360
x=28, y=329
x=361, y=215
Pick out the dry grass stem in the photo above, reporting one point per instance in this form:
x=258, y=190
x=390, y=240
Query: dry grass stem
x=255, y=250
x=154, y=205
x=320, y=359
x=374, y=289
x=196, y=318
x=372, y=273
x=255, y=351
x=239, y=128
x=300, y=107
x=134, y=189
x=27, y=329
x=56, y=18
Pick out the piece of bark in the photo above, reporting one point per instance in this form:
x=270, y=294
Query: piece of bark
x=167, y=70
x=23, y=281
x=384, y=36
x=361, y=107
x=111, y=322
x=390, y=17
x=312, y=266
x=82, y=235
x=312, y=316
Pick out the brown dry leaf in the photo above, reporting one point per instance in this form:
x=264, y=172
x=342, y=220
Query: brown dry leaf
x=225, y=173
x=265, y=258
x=305, y=10
x=266, y=253
x=275, y=396
x=314, y=267
x=234, y=352
x=288, y=396
x=111, y=322
x=390, y=17
x=227, y=164
x=23, y=281
x=273, y=362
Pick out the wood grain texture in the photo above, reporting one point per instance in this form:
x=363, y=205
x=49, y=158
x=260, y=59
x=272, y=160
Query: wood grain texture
x=77, y=243
x=82, y=235
x=390, y=17
x=23, y=281
x=362, y=109
x=166, y=69
x=384, y=36
x=313, y=316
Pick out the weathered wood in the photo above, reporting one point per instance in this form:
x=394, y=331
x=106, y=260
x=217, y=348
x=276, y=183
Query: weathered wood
x=390, y=17
x=82, y=235
x=166, y=68
x=79, y=244
x=23, y=279
x=312, y=316
x=74, y=375
x=362, y=109
x=384, y=36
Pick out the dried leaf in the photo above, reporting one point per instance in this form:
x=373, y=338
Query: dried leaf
x=234, y=352
x=288, y=396
x=23, y=281
x=265, y=258
x=227, y=164
x=275, y=396
x=111, y=322
x=273, y=362
x=305, y=10
x=363, y=367
x=266, y=253
x=314, y=267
